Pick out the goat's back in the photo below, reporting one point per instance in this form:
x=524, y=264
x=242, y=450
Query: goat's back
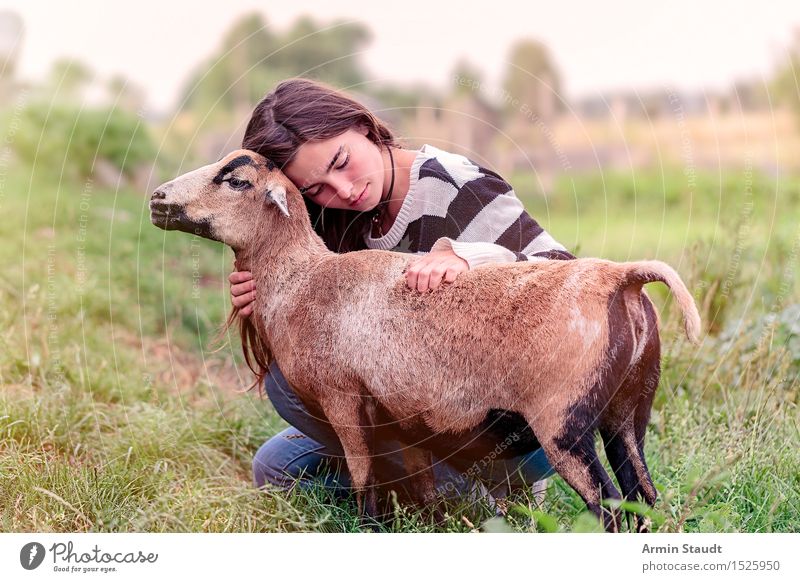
x=495, y=334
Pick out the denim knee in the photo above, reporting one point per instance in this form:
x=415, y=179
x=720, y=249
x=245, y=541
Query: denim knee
x=522, y=471
x=290, y=458
x=291, y=409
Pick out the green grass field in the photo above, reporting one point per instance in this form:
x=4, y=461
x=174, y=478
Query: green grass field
x=118, y=414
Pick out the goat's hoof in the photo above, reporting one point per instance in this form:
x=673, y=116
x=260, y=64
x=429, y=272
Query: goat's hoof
x=643, y=524
x=368, y=524
x=612, y=522
x=434, y=514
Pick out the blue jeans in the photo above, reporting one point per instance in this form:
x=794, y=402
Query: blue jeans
x=310, y=452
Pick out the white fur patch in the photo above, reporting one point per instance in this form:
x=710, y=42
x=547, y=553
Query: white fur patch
x=360, y=325
x=587, y=329
x=639, y=342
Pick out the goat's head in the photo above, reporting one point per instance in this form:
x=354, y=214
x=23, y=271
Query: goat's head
x=223, y=201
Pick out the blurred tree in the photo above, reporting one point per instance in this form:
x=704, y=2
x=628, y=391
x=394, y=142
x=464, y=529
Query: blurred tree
x=750, y=95
x=11, y=31
x=253, y=59
x=232, y=78
x=128, y=96
x=11, y=34
x=399, y=103
x=466, y=78
x=68, y=79
x=786, y=84
x=328, y=53
x=533, y=80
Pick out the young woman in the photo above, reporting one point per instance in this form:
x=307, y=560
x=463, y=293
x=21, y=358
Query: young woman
x=363, y=191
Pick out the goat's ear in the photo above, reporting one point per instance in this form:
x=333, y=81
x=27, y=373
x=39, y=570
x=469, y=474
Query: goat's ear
x=277, y=195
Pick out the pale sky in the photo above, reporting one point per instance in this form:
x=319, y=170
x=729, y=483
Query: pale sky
x=598, y=46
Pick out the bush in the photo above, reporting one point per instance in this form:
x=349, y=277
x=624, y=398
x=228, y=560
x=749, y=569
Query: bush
x=66, y=138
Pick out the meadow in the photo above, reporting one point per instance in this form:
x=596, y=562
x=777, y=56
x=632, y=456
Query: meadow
x=119, y=413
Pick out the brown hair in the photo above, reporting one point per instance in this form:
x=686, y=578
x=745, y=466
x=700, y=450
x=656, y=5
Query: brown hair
x=302, y=110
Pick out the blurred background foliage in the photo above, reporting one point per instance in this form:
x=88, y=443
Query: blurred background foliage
x=526, y=125
x=253, y=58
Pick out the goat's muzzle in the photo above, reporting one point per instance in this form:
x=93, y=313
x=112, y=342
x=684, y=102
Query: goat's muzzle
x=173, y=217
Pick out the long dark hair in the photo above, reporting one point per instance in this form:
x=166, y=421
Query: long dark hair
x=302, y=110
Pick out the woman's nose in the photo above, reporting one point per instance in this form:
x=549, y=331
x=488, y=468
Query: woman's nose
x=343, y=189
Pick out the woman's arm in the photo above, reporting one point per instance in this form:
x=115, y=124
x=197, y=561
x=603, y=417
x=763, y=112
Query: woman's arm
x=486, y=223
x=501, y=230
x=478, y=253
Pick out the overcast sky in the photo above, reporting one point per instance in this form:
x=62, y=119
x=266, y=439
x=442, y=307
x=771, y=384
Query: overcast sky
x=598, y=46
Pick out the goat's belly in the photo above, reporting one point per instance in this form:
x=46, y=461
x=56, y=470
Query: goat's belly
x=456, y=417
x=501, y=434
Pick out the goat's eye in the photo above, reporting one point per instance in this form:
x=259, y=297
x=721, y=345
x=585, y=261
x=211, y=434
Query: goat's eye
x=238, y=184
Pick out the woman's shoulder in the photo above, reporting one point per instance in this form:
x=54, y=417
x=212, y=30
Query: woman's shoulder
x=450, y=167
x=446, y=192
x=442, y=177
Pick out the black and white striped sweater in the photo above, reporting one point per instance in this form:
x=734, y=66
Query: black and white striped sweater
x=452, y=203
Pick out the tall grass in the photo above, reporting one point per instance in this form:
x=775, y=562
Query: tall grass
x=117, y=415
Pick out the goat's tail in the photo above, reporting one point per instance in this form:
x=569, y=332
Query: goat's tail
x=642, y=272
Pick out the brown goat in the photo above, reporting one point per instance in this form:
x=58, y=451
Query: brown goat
x=571, y=346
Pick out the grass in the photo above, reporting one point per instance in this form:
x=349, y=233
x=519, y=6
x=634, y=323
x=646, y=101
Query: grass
x=116, y=414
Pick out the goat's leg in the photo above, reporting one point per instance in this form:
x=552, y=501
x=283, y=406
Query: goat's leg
x=353, y=422
x=624, y=424
x=419, y=466
x=647, y=378
x=634, y=449
x=573, y=456
x=648, y=370
x=625, y=447
x=624, y=442
x=650, y=365
x=622, y=464
x=625, y=453
x=616, y=424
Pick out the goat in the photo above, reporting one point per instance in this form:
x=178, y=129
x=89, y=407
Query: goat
x=571, y=346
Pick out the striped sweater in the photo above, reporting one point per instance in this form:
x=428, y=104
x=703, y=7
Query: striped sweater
x=453, y=203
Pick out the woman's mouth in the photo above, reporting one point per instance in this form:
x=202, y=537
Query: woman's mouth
x=360, y=196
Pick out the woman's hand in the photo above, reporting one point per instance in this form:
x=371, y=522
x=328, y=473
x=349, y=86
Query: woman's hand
x=243, y=291
x=430, y=270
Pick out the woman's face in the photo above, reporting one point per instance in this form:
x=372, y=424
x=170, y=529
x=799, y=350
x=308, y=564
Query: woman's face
x=346, y=171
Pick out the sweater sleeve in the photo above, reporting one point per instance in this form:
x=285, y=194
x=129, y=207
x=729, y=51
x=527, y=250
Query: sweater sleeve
x=500, y=230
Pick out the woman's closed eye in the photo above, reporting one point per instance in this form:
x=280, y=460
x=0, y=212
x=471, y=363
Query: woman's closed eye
x=312, y=193
x=318, y=190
